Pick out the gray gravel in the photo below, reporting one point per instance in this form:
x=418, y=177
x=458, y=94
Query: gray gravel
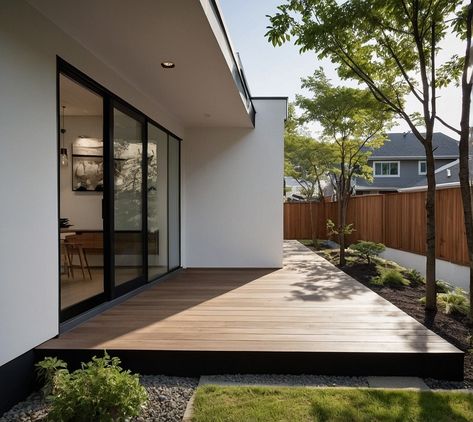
x=448, y=385
x=168, y=397
x=286, y=380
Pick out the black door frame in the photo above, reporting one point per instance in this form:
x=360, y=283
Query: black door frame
x=111, y=101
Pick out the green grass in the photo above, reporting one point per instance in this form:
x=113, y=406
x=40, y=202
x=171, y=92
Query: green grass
x=258, y=404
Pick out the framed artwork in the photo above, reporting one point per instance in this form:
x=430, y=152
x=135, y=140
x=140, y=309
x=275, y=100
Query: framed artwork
x=87, y=165
x=90, y=147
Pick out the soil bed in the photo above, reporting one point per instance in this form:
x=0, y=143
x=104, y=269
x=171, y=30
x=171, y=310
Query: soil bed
x=454, y=328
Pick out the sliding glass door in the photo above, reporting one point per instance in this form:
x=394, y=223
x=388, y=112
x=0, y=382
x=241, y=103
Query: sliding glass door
x=157, y=162
x=119, y=200
x=128, y=198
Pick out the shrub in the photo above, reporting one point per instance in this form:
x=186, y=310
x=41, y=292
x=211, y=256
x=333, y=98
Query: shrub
x=367, y=249
x=415, y=276
x=391, y=278
x=47, y=370
x=100, y=391
x=454, y=302
x=443, y=286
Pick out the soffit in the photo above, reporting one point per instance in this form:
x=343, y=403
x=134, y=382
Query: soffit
x=134, y=38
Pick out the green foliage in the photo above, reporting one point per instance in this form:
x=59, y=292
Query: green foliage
x=353, y=125
x=46, y=370
x=100, y=391
x=415, y=276
x=305, y=159
x=391, y=278
x=454, y=302
x=443, y=286
x=334, y=230
x=368, y=249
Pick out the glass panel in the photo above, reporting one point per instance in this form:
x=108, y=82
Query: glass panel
x=174, y=199
x=127, y=154
x=385, y=167
x=377, y=169
x=81, y=192
x=157, y=202
x=393, y=169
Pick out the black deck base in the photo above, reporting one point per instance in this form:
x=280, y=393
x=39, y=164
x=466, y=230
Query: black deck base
x=447, y=366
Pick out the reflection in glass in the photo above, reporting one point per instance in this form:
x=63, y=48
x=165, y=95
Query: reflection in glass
x=127, y=154
x=174, y=200
x=157, y=202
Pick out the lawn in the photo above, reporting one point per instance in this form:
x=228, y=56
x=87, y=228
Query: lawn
x=257, y=404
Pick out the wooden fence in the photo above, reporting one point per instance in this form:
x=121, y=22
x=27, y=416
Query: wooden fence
x=398, y=220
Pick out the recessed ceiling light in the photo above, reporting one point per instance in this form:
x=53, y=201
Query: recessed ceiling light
x=168, y=65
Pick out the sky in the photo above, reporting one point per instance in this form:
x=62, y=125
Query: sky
x=277, y=71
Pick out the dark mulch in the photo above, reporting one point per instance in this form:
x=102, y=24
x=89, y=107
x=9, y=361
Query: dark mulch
x=454, y=328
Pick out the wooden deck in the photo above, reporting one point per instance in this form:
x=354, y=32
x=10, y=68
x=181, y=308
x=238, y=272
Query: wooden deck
x=308, y=317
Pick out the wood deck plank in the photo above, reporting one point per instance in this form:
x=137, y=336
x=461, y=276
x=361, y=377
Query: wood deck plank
x=307, y=306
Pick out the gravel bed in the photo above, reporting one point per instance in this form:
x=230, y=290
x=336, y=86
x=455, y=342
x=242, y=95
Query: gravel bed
x=448, y=385
x=286, y=380
x=168, y=397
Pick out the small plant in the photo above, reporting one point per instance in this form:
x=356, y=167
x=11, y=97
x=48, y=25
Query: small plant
x=454, y=302
x=415, y=276
x=368, y=250
x=46, y=370
x=443, y=287
x=391, y=278
x=333, y=230
x=100, y=391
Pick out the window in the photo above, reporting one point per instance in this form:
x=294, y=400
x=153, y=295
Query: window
x=386, y=168
x=422, y=167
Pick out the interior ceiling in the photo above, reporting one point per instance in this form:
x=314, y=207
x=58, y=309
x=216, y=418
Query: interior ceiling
x=135, y=37
x=79, y=101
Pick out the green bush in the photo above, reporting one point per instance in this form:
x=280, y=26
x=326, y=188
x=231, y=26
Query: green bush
x=368, y=250
x=415, y=276
x=391, y=278
x=100, y=391
x=443, y=286
x=454, y=302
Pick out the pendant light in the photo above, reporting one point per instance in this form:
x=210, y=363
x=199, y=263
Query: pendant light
x=63, y=151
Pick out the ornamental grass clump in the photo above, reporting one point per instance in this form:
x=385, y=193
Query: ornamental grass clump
x=391, y=278
x=454, y=302
x=100, y=391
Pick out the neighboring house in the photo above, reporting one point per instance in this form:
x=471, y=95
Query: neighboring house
x=400, y=163
x=447, y=176
x=291, y=186
x=161, y=148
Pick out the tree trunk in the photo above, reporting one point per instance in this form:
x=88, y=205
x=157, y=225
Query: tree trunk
x=464, y=151
x=430, y=283
x=341, y=223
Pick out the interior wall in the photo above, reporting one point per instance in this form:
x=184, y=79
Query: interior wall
x=83, y=209
x=232, y=192
x=29, y=44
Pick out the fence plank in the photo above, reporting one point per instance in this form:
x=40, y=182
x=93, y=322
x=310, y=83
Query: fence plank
x=398, y=220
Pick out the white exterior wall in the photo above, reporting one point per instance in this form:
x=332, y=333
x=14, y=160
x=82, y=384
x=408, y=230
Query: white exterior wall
x=457, y=275
x=232, y=193
x=28, y=168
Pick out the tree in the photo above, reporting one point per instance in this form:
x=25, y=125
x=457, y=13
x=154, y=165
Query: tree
x=353, y=124
x=390, y=46
x=307, y=161
x=458, y=69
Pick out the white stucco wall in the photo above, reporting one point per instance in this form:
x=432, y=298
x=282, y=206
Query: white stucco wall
x=457, y=275
x=232, y=193
x=28, y=168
